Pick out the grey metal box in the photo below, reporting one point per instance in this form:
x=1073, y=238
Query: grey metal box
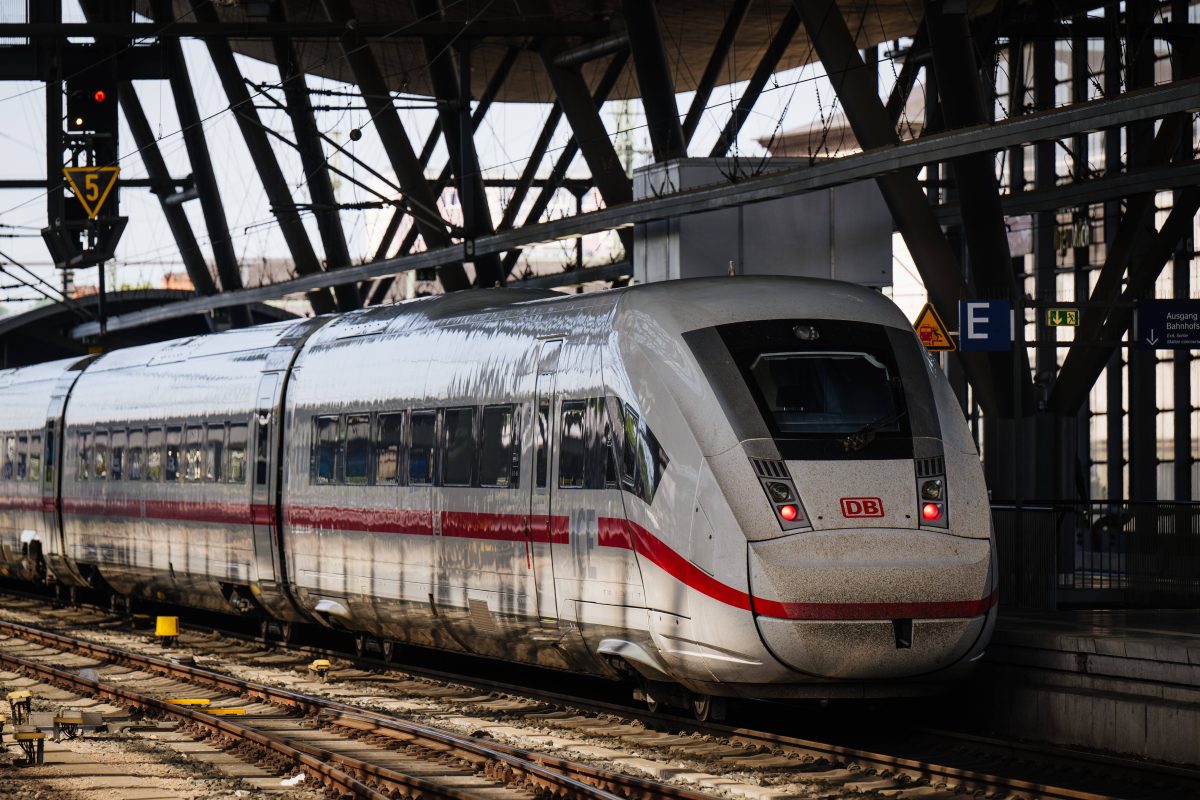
x=843, y=233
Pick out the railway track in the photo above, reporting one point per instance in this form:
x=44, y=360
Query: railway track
x=347, y=750
x=933, y=761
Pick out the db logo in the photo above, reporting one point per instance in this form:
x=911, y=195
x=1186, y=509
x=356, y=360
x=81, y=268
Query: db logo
x=862, y=507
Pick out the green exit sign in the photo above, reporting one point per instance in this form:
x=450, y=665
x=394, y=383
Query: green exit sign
x=1062, y=317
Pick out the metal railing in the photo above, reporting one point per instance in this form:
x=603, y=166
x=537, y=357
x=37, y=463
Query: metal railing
x=1127, y=554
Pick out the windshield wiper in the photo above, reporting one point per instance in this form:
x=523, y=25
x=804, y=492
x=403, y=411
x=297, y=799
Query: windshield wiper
x=866, y=434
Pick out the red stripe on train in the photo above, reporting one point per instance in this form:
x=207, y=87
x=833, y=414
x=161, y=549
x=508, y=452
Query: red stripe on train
x=613, y=532
x=934, y=609
x=370, y=520
x=21, y=503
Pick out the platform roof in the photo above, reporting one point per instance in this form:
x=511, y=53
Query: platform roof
x=689, y=29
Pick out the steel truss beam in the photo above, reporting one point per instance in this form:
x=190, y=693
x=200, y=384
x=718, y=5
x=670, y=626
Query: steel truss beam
x=654, y=79
x=1151, y=103
x=558, y=173
x=274, y=184
x=855, y=85
x=716, y=63
x=202, y=168
x=591, y=136
x=908, y=75
x=314, y=163
x=22, y=62
x=419, y=198
x=454, y=86
x=1085, y=192
x=380, y=288
x=1072, y=384
x=504, y=29
x=164, y=187
x=990, y=265
x=762, y=73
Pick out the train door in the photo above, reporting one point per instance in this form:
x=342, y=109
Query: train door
x=55, y=548
x=56, y=552
x=541, y=501
x=264, y=490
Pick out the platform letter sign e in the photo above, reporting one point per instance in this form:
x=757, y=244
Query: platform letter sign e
x=862, y=507
x=985, y=325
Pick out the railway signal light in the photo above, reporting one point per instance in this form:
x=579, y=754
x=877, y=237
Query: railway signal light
x=92, y=100
x=931, y=512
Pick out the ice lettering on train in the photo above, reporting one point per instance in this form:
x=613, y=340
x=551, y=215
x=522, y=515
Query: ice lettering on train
x=585, y=538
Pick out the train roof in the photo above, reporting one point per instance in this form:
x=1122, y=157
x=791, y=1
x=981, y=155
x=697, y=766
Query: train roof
x=37, y=373
x=680, y=306
x=696, y=302
x=677, y=306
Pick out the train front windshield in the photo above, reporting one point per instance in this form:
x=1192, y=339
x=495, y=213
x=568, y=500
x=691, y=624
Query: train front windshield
x=827, y=392
x=823, y=389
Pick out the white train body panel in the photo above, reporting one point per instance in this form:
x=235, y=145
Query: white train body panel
x=28, y=470
x=579, y=482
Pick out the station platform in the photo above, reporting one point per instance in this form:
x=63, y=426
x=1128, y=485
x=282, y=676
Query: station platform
x=1126, y=682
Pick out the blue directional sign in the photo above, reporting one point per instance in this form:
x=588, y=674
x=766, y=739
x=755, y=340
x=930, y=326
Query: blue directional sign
x=1168, y=324
x=984, y=325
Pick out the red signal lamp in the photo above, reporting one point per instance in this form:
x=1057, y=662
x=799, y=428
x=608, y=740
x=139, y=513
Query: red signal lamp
x=99, y=95
x=788, y=512
x=931, y=512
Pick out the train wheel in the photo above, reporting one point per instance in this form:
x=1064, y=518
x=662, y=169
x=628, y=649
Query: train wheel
x=656, y=695
x=389, y=649
x=702, y=707
x=360, y=645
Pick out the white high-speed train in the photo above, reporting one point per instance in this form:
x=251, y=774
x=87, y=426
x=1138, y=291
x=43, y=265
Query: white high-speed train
x=737, y=486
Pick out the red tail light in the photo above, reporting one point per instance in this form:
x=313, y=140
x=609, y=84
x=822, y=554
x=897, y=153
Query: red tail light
x=931, y=512
x=788, y=512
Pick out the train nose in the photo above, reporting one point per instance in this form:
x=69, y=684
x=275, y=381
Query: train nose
x=871, y=604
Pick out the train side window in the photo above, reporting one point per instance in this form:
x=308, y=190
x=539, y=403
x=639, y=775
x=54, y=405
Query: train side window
x=116, y=455
x=421, y=447
x=645, y=460
x=135, y=456
x=543, y=436
x=51, y=455
x=6, y=472
x=608, y=447
x=498, y=451
x=572, y=445
x=239, y=435
x=83, y=466
x=154, y=459
x=22, y=464
x=35, y=456
x=193, y=454
x=100, y=455
x=358, y=449
x=214, y=452
x=262, y=446
x=389, y=448
x=458, y=457
x=327, y=453
x=171, y=453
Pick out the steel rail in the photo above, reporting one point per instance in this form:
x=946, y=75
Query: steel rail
x=562, y=778
x=301, y=755
x=1075, y=759
x=968, y=778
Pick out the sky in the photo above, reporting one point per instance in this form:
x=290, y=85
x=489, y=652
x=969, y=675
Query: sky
x=793, y=99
